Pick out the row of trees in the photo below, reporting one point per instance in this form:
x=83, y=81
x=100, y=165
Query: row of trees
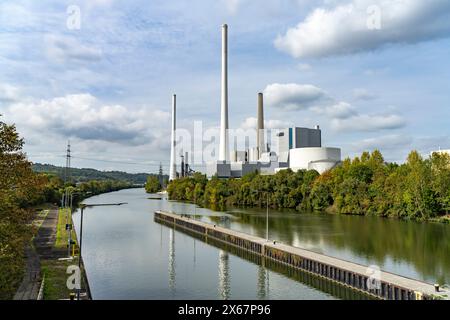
x=21, y=190
x=419, y=189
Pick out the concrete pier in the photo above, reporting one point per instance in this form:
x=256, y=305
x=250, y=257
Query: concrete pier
x=376, y=283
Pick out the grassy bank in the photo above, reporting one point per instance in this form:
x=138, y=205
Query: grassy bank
x=62, y=235
x=55, y=270
x=55, y=287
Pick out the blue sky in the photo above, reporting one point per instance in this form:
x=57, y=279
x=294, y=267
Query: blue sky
x=107, y=86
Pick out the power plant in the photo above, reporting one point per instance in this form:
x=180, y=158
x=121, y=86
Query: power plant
x=298, y=148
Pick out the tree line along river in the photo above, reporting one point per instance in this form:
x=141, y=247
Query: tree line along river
x=129, y=256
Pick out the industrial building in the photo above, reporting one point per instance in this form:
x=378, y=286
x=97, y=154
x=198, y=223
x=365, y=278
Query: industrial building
x=298, y=148
x=442, y=152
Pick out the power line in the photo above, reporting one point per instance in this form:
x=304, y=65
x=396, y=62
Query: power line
x=156, y=165
x=120, y=162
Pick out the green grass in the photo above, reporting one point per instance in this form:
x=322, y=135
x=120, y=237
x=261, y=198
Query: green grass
x=62, y=235
x=55, y=287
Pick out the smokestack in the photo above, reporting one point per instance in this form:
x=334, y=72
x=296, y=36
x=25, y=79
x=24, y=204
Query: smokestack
x=173, y=166
x=260, y=126
x=182, y=165
x=223, y=147
x=186, y=164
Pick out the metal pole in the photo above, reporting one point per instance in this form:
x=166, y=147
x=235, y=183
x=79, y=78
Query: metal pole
x=69, y=222
x=81, y=242
x=267, y=218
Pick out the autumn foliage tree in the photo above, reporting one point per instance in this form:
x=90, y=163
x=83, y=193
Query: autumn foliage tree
x=19, y=188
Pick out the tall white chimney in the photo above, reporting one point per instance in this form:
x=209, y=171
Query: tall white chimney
x=260, y=126
x=173, y=166
x=223, y=147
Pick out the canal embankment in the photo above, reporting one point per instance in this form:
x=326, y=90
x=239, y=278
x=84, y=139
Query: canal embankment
x=48, y=259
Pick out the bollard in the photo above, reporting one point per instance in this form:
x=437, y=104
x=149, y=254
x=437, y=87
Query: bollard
x=72, y=296
x=436, y=287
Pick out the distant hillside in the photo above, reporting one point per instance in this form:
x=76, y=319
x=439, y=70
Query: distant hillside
x=86, y=174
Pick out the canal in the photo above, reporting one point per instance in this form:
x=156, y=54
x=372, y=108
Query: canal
x=129, y=256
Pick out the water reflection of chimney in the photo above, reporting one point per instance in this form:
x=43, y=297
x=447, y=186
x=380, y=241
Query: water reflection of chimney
x=161, y=240
x=172, y=274
x=261, y=293
x=224, y=277
x=194, y=254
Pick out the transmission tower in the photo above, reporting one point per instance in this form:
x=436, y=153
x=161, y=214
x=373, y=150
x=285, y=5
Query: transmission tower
x=67, y=169
x=161, y=179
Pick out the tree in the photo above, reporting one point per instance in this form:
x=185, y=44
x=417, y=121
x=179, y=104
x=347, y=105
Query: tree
x=440, y=172
x=19, y=187
x=153, y=185
x=418, y=194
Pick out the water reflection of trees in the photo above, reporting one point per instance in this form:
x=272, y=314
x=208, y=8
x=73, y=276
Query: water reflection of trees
x=425, y=246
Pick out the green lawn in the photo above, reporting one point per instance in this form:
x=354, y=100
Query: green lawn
x=55, y=271
x=62, y=235
x=55, y=287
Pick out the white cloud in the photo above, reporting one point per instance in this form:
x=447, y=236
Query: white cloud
x=293, y=96
x=341, y=110
x=344, y=28
x=65, y=49
x=232, y=5
x=250, y=123
x=343, y=115
x=8, y=93
x=363, y=94
x=365, y=122
x=83, y=117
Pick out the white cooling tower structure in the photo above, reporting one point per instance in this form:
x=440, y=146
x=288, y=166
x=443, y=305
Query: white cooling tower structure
x=173, y=166
x=319, y=159
x=223, y=147
x=260, y=126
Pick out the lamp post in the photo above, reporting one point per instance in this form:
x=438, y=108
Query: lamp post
x=71, y=223
x=84, y=206
x=267, y=218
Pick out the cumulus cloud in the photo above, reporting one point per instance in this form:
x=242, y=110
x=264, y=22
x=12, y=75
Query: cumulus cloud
x=84, y=117
x=343, y=115
x=250, y=123
x=66, y=49
x=8, y=93
x=341, y=110
x=365, y=122
x=293, y=96
x=347, y=28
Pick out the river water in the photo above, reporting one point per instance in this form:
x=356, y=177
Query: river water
x=129, y=256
